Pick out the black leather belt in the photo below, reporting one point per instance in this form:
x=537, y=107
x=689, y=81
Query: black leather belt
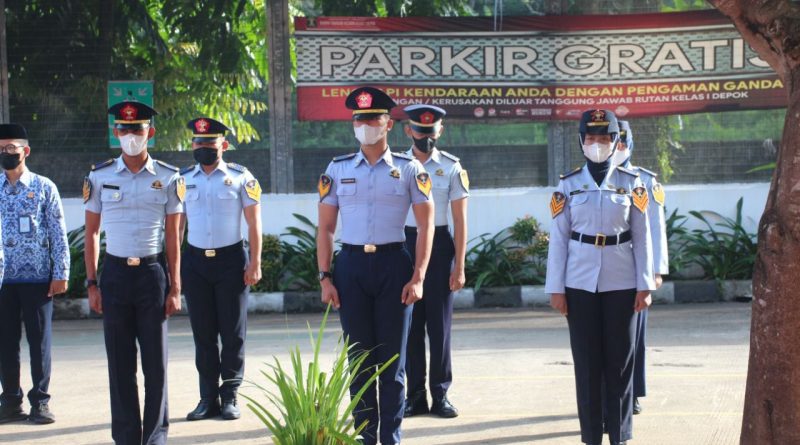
x=211, y=253
x=438, y=230
x=133, y=260
x=372, y=248
x=601, y=240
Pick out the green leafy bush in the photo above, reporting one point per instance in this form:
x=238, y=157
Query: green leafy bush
x=300, y=257
x=306, y=407
x=724, y=254
x=271, y=264
x=676, y=242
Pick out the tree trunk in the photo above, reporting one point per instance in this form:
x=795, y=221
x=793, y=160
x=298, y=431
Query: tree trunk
x=772, y=399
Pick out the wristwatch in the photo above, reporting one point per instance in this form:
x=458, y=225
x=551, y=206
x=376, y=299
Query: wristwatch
x=88, y=283
x=323, y=275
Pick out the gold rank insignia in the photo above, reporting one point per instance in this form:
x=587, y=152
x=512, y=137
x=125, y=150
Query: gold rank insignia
x=557, y=204
x=439, y=172
x=395, y=173
x=464, y=180
x=324, y=186
x=180, y=188
x=87, y=189
x=424, y=183
x=640, y=199
x=157, y=185
x=253, y=189
x=227, y=181
x=658, y=194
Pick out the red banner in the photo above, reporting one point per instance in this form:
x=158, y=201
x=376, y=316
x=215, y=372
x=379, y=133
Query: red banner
x=535, y=68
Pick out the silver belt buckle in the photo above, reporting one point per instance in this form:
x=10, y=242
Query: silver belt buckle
x=210, y=253
x=370, y=248
x=134, y=261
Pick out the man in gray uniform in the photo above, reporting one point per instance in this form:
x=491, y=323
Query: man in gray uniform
x=139, y=201
x=375, y=282
x=435, y=312
x=658, y=231
x=216, y=273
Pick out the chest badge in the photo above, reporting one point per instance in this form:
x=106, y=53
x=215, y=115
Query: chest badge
x=439, y=172
x=395, y=173
x=157, y=185
x=621, y=191
x=227, y=181
x=30, y=195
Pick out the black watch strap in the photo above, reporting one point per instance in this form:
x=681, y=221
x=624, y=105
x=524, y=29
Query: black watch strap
x=323, y=275
x=89, y=283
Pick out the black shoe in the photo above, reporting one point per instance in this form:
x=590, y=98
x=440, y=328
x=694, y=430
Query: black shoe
x=206, y=409
x=229, y=410
x=637, y=408
x=416, y=404
x=443, y=408
x=41, y=414
x=10, y=413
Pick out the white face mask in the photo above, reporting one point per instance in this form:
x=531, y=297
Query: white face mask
x=369, y=135
x=597, y=153
x=620, y=156
x=133, y=144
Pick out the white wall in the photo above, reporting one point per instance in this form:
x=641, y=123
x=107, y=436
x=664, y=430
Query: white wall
x=493, y=209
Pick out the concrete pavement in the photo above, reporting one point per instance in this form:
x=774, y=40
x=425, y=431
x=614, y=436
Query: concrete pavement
x=513, y=380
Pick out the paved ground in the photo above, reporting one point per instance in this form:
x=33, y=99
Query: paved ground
x=514, y=382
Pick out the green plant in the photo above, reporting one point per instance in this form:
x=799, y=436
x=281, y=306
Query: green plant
x=308, y=401
x=300, y=257
x=677, y=238
x=271, y=264
x=516, y=255
x=77, y=266
x=723, y=254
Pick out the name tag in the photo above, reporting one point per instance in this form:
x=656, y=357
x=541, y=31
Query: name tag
x=25, y=224
x=110, y=186
x=191, y=186
x=348, y=180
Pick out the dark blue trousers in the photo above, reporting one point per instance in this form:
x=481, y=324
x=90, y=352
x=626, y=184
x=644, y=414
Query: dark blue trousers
x=639, y=384
x=602, y=328
x=25, y=303
x=434, y=312
x=374, y=319
x=217, y=300
x=133, y=311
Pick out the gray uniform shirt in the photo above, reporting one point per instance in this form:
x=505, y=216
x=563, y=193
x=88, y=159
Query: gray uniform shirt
x=580, y=205
x=214, y=203
x=133, y=207
x=373, y=200
x=445, y=171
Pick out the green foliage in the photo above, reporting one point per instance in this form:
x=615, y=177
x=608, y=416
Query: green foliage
x=724, y=254
x=300, y=257
x=271, y=264
x=683, y=5
x=676, y=242
x=307, y=404
x=728, y=126
x=77, y=267
x=516, y=255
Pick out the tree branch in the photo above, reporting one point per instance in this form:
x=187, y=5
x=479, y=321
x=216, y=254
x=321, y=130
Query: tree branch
x=771, y=27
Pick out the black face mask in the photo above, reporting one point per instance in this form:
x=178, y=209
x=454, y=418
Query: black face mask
x=205, y=155
x=10, y=161
x=425, y=144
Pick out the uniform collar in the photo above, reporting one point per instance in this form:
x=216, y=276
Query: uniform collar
x=149, y=165
x=386, y=157
x=434, y=157
x=587, y=176
x=222, y=166
x=24, y=179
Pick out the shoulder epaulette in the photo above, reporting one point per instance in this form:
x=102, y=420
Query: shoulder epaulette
x=653, y=174
x=626, y=170
x=344, y=157
x=167, y=166
x=102, y=164
x=449, y=156
x=187, y=169
x=237, y=167
x=402, y=156
x=567, y=175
